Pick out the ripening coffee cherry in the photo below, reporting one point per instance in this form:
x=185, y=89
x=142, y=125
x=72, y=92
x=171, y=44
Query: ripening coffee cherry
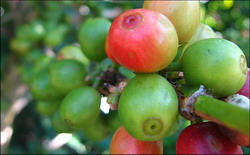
x=202, y=32
x=142, y=40
x=185, y=15
x=205, y=138
x=123, y=143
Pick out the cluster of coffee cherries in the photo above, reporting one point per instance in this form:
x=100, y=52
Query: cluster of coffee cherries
x=178, y=67
x=166, y=38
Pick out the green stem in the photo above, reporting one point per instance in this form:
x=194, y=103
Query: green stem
x=180, y=82
x=185, y=90
x=115, y=66
x=179, y=53
x=188, y=96
x=113, y=98
x=99, y=69
x=174, y=67
x=97, y=82
x=229, y=115
x=196, y=121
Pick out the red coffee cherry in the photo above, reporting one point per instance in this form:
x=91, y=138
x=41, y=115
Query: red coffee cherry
x=205, y=138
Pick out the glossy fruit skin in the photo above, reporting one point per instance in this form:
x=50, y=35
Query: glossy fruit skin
x=73, y=52
x=80, y=107
x=205, y=138
x=98, y=130
x=59, y=125
x=177, y=124
x=92, y=37
x=47, y=108
x=218, y=64
x=202, y=32
x=148, y=107
x=142, y=40
x=245, y=89
x=185, y=15
x=67, y=75
x=42, y=89
x=108, y=52
x=123, y=143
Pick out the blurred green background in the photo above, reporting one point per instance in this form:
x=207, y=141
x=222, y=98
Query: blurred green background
x=32, y=132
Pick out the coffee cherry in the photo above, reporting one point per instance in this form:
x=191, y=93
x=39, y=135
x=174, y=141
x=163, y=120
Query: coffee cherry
x=205, y=138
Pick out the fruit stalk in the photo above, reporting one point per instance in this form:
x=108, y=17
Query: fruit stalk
x=198, y=103
x=188, y=96
x=223, y=113
x=114, y=97
x=173, y=67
